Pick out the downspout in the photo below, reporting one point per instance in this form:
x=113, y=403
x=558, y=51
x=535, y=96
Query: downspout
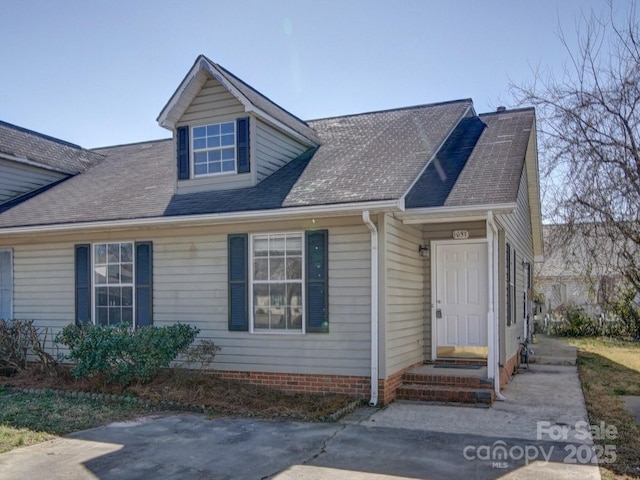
x=374, y=306
x=494, y=330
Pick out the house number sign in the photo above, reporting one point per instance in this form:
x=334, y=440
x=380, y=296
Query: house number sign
x=461, y=234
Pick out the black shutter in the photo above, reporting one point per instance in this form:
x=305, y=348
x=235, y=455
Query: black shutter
x=242, y=127
x=144, y=284
x=238, y=283
x=317, y=272
x=183, y=153
x=83, y=283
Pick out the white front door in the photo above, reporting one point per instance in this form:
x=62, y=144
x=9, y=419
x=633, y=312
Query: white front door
x=461, y=300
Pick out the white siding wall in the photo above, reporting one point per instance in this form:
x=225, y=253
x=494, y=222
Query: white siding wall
x=44, y=289
x=442, y=231
x=273, y=149
x=405, y=315
x=17, y=179
x=517, y=231
x=190, y=285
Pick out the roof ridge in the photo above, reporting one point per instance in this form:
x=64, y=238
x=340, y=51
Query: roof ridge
x=41, y=135
x=510, y=110
x=131, y=144
x=411, y=107
x=256, y=91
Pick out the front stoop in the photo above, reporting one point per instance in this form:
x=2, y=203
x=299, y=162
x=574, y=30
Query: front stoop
x=466, y=386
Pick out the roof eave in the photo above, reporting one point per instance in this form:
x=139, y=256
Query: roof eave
x=457, y=213
x=343, y=209
x=32, y=163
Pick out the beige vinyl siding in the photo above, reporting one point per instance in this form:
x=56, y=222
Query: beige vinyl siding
x=43, y=285
x=273, y=149
x=17, y=179
x=405, y=316
x=442, y=231
x=190, y=286
x=517, y=231
x=212, y=102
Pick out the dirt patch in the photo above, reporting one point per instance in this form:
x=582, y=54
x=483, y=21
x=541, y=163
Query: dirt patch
x=198, y=389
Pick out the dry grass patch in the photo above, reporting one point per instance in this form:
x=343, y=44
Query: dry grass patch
x=610, y=368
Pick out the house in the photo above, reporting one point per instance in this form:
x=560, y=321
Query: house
x=327, y=255
x=582, y=268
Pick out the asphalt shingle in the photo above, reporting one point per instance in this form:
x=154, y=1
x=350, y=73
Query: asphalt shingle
x=45, y=150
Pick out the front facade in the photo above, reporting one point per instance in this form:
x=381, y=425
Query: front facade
x=330, y=255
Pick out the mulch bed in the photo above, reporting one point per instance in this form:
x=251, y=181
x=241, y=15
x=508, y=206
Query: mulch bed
x=195, y=390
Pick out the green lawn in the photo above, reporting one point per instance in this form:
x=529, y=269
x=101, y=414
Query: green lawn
x=610, y=368
x=26, y=419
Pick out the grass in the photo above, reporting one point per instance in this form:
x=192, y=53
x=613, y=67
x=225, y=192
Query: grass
x=610, y=368
x=26, y=419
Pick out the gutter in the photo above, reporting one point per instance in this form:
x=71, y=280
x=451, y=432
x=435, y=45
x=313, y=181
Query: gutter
x=374, y=306
x=207, y=219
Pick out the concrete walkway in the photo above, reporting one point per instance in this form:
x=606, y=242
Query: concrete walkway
x=401, y=441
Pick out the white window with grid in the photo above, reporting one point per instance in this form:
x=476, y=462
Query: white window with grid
x=113, y=283
x=214, y=149
x=277, y=272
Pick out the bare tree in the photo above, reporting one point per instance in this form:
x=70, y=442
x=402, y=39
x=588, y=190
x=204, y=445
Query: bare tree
x=589, y=142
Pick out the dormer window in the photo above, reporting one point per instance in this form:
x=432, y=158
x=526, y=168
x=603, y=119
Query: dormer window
x=214, y=149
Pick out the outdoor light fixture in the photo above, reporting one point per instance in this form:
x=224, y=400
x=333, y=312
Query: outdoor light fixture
x=423, y=250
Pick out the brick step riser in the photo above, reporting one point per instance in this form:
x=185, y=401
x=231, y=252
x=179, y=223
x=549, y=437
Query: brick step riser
x=447, y=381
x=448, y=396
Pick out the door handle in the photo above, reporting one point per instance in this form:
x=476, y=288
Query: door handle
x=438, y=313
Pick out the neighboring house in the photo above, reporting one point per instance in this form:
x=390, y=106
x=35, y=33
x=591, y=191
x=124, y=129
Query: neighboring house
x=577, y=271
x=328, y=255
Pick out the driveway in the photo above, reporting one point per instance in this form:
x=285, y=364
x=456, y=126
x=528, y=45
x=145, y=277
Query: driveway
x=535, y=433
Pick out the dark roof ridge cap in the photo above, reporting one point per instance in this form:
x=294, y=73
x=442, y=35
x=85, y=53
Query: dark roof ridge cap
x=511, y=110
x=41, y=135
x=227, y=72
x=132, y=144
x=397, y=109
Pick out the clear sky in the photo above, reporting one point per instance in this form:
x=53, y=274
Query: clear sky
x=98, y=73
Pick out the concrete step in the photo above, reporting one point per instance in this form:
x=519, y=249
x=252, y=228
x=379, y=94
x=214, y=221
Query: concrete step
x=445, y=394
x=448, y=379
x=461, y=361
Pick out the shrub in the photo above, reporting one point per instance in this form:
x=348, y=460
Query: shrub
x=575, y=323
x=202, y=353
x=627, y=313
x=19, y=338
x=122, y=355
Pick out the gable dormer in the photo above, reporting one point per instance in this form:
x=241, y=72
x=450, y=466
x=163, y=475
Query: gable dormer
x=227, y=134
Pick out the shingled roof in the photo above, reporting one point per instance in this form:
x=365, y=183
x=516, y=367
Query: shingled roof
x=480, y=164
x=366, y=157
x=32, y=147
